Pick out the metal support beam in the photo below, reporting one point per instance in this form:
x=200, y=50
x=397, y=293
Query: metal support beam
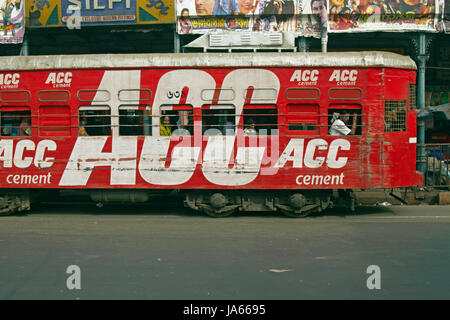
x=24, y=48
x=324, y=35
x=176, y=39
x=324, y=42
x=422, y=59
x=302, y=46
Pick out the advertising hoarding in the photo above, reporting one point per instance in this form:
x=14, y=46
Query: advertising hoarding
x=47, y=13
x=12, y=21
x=304, y=17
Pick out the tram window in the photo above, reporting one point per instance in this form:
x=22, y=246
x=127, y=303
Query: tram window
x=15, y=121
x=214, y=94
x=135, y=120
x=260, y=94
x=394, y=116
x=350, y=120
x=19, y=96
x=345, y=93
x=176, y=120
x=302, y=126
x=134, y=95
x=303, y=117
x=94, y=121
x=412, y=96
x=54, y=121
x=263, y=118
x=218, y=120
x=54, y=96
x=302, y=94
x=93, y=95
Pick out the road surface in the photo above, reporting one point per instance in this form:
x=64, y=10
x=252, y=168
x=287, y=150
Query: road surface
x=163, y=252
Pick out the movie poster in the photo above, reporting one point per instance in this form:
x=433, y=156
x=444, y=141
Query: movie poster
x=383, y=15
x=200, y=16
x=446, y=16
x=308, y=17
x=12, y=21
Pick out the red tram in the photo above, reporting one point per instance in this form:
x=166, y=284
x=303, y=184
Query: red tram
x=247, y=132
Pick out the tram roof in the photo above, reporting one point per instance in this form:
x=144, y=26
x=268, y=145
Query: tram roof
x=257, y=59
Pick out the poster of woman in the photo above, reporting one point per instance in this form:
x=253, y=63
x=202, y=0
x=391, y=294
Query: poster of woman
x=12, y=21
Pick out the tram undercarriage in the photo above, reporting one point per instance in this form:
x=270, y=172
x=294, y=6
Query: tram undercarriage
x=215, y=203
x=294, y=204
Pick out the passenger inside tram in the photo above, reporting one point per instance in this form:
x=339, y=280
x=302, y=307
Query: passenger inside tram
x=343, y=122
x=260, y=121
x=217, y=122
x=250, y=129
x=25, y=127
x=165, y=128
x=15, y=123
x=94, y=122
x=177, y=122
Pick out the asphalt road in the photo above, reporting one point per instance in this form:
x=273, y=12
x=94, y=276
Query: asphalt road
x=158, y=252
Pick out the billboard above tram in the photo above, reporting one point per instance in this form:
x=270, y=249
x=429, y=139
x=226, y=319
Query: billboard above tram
x=48, y=13
x=12, y=21
x=303, y=17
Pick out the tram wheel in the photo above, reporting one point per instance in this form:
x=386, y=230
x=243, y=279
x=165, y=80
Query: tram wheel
x=13, y=203
x=300, y=206
x=218, y=213
x=6, y=212
x=298, y=213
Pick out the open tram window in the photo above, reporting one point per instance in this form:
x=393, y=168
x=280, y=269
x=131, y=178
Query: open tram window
x=15, y=121
x=303, y=118
x=176, y=120
x=94, y=121
x=394, y=116
x=260, y=119
x=218, y=120
x=135, y=120
x=344, y=120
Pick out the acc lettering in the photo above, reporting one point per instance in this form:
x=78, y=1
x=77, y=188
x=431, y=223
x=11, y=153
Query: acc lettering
x=123, y=158
x=9, y=79
x=215, y=165
x=19, y=160
x=344, y=75
x=59, y=78
x=295, y=152
x=87, y=154
x=10, y=156
x=152, y=162
x=306, y=75
x=310, y=160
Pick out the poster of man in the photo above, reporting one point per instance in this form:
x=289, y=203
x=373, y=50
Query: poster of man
x=313, y=18
x=12, y=21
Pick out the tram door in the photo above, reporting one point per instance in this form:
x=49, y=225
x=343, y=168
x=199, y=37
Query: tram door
x=399, y=138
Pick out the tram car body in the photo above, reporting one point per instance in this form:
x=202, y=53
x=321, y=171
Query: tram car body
x=248, y=132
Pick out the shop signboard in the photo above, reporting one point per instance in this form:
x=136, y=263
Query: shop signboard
x=47, y=13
